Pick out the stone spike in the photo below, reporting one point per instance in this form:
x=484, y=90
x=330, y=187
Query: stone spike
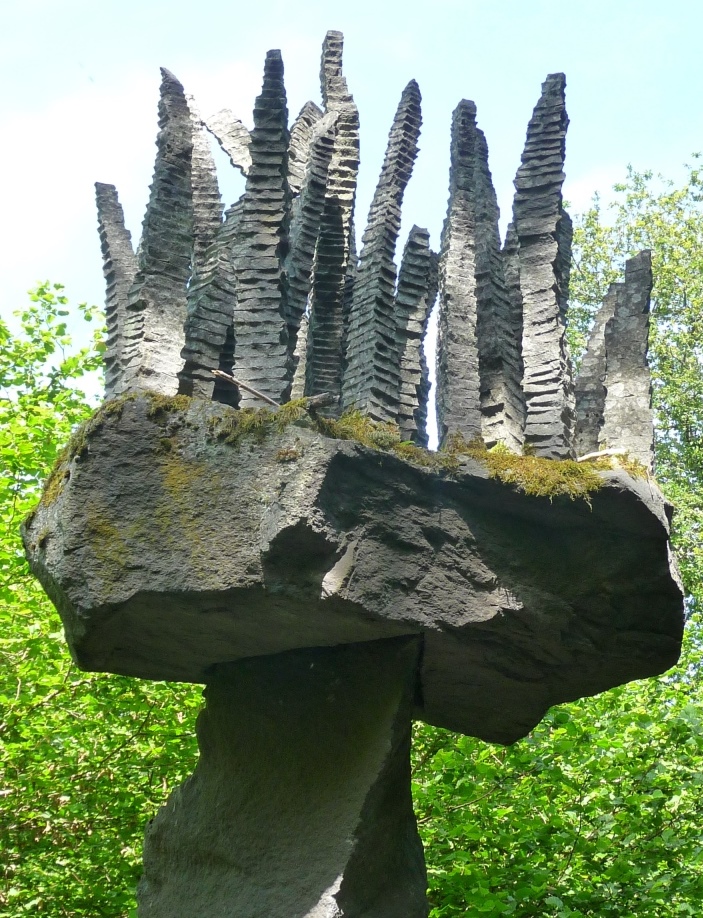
x=209, y=334
x=458, y=387
x=157, y=302
x=262, y=357
x=233, y=137
x=300, y=359
x=543, y=231
x=207, y=203
x=301, y=135
x=590, y=382
x=119, y=269
x=335, y=244
x=305, y=223
x=627, y=412
x=417, y=290
x=510, y=255
x=371, y=379
x=335, y=92
x=499, y=351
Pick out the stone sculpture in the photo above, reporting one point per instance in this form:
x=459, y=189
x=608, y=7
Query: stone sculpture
x=326, y=577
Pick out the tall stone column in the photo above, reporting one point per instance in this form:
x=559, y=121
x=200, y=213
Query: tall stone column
x=300, y=804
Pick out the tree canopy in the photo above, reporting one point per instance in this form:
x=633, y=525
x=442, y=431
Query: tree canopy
x=593, y=814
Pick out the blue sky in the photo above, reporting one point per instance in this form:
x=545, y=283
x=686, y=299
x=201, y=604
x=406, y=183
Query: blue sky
x=81, y=79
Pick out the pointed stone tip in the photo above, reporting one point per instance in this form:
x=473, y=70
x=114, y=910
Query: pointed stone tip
x=168, y=80
x=412, y=89
x=554, y=81
x=103, y=188
x=334, y=35
x=274, y=55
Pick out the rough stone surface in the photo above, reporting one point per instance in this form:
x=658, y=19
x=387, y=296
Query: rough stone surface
x=119, y=268
x=627, y=413
x=305, y=223
x=300, y=803
x=543, y=232
x=233, y=137
x=167, y=554
x=480, y=371
x=262, y=357
x=415, y=297
x=590, y=382
x=335, y=254
x=371, y=379
x=301, y=133
x=458, y=387
x=153, y=333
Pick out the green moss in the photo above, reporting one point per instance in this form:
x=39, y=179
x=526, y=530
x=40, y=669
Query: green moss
x=166, y=404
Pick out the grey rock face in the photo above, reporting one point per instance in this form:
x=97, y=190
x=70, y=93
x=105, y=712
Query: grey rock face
x=328, y=593
x=415, y=297
x=119, y=268
x=153, y=333
x=262, y=358
x=543, y=233
x=371, y=380
x=627, y=414
x=335, y=245
x=263, y=827
x=233, y=137
x=590, y=382
x=335, y=544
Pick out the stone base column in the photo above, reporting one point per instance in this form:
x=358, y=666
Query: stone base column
x=300, y=804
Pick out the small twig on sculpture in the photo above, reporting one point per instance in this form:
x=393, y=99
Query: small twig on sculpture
x=235, y=382
x=312, y=403
x=602, y=452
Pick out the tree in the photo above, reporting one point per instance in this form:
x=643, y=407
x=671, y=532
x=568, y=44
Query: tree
x=83, y=758
x=596, y=813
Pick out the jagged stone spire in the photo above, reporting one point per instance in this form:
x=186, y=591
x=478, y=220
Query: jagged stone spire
x=119, y=268
x=613, y=388
x=153, y=332
x=261, y=357
x=335, y=244
x=233, y=137
x=371, y=380
x=479, y=381
x=299, y=147
x=590, y=382
x=627, y=416
x=417, y=291
x=305, y=224
x=544, y=237
x=207, y=203
x=458, y=384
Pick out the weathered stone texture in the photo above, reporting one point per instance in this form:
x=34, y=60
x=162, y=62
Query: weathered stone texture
x=301, y=133
x=335, y=244
x=543, y=232
x=119, y=268
x=305, y=223
x=627, y=414
x=156, y=311
x=207, y=203
x=458, y=388
x=233, y=137
x=262, y=358
x=341, y=545
x=590, y=382
x=371, y=379
x=300, y=803
x=417, y=291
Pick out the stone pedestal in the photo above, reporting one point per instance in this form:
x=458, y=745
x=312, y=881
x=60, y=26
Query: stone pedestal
x=300, y=804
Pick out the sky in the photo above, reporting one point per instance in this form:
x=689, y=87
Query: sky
x=81, y=83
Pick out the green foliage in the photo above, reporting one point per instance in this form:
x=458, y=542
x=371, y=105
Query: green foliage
x=83, y=758
x=597, y=812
